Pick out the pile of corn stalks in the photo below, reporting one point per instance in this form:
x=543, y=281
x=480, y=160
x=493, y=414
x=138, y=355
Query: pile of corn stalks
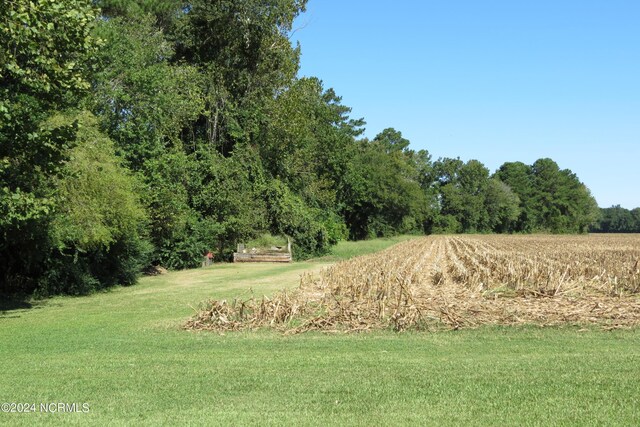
x=455, y=282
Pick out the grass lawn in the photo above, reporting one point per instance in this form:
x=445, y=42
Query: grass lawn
x=124, y=354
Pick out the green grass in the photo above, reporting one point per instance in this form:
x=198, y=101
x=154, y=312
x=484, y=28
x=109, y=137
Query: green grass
x=123, y=352
x=346, y=250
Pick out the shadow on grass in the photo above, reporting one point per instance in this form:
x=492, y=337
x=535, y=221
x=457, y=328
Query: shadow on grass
x=11, y=305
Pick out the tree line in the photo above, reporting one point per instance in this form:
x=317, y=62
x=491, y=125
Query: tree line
x=137, y=133
x=617, y=219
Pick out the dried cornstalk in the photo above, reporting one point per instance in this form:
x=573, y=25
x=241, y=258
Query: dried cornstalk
x=455, y=282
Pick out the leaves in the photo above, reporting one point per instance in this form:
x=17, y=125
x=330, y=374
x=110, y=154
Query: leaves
x=48, y=46
x=98, y=203
x=200, y=136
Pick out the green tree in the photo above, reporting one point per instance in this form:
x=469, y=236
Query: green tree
x=46, y=59
x=449, y=196
x=474, y=182
x=382, y=193
x=563, y=203
x=46, y=51
x=164, y=12
x=519, y=177
x=145, y=103
x=225, y=191
x=173, y=224
x=617, y=219
x=289, y=215
x=635, y=214
x=243, y=51
x=502, y=205
x=308, y=142
x=97, y=233
x=462, y=189
x=392, y=140
x=426, y=178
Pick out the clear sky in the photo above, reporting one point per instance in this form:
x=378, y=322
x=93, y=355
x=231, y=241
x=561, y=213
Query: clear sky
x=493, y=80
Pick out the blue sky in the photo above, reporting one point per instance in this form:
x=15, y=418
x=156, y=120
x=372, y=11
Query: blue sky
x=492, y=80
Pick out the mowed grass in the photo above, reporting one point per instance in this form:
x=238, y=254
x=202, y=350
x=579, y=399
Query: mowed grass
x=123, y=352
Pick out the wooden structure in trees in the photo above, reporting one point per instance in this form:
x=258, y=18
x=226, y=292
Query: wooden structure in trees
x=273, y=254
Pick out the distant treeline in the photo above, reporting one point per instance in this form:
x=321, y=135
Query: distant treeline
x=617, y=219
x=149, y=132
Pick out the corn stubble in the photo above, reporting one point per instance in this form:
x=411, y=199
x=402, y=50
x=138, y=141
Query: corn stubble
x=455, y=282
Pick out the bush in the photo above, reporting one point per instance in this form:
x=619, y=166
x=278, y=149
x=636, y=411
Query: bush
x=77, y=273
x=290, y=216
x=95, y=238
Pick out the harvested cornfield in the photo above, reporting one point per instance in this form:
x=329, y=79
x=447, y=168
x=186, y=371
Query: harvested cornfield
x=456, y=282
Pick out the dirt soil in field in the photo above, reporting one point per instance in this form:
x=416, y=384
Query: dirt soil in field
x=455, y=282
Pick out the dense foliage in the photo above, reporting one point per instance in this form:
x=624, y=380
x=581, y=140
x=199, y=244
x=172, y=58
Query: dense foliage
x=152, y=131
x=617, y=219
